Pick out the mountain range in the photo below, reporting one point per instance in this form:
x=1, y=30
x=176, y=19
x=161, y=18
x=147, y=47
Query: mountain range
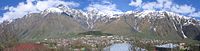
x=61, y=22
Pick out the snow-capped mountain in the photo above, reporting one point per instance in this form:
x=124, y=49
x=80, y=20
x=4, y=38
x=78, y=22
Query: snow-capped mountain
x=86, y=19
x=58, y=21
x=152, y=17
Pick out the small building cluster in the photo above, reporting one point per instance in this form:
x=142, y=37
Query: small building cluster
x=86, y=42
x=110, y=43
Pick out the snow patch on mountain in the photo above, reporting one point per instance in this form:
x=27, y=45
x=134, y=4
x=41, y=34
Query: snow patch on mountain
x=53, y=10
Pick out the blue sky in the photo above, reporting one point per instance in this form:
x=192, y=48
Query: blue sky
x=18, y=8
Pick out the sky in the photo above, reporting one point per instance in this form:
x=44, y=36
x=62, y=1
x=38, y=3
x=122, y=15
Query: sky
x=12, y=9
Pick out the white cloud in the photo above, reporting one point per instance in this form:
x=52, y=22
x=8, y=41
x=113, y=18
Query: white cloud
x=104, y=8
x=182, y=9
x=167, y=4
x=29, y=7
x=163, y=5
x=195, y=14
x=149, y=6
x=135, y=3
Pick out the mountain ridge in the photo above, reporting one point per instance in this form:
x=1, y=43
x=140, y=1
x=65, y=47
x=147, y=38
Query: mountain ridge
x=55, y=23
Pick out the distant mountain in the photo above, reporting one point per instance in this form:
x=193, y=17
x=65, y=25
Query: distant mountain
x=59, y=22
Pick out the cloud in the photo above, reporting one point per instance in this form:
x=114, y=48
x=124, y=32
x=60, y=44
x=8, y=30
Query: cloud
x=104, y=8
x=164, y=5
x=135, y=3
x=150, y=6
x=195, y=14
x=32, y=6
x=159, y=4
x=183, y=9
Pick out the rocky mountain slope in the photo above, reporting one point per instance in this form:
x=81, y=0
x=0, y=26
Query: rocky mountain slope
x=59, y=22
